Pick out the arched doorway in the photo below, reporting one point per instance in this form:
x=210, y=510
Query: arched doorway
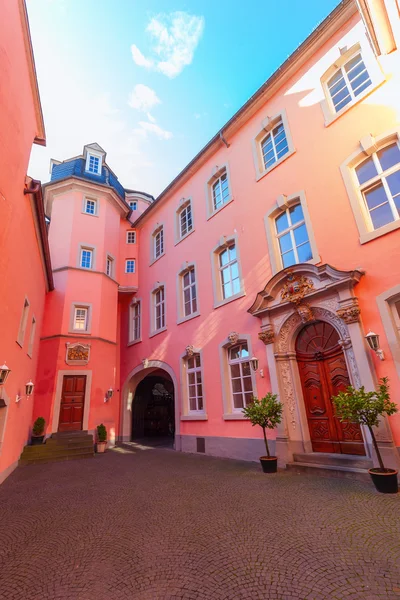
x=323, y=374
x=153, y=418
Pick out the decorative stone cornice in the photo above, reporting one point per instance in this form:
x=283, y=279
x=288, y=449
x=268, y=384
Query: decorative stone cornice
x=349, y=312
x=267, y=336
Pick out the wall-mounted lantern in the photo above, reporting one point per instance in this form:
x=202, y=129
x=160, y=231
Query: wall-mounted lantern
x=4, y=373
x=373, y=342
x=28, y=391
x=254, y=363
x=109, y=394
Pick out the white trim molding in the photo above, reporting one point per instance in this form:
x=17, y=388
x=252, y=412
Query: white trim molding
x=185, y=268
x=157, y=286
x=224, y=243
x=267, y=126
x=230, y=414
x=183, y=204
x=217, y=172
x=186, y=413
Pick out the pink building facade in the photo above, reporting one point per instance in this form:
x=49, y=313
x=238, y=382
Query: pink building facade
x=277, y=242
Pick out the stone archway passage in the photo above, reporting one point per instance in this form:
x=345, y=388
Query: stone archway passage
x=323, y=374
x=153, y=408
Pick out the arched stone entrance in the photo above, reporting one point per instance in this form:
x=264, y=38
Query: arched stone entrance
x=323, y=374
x=154, y=387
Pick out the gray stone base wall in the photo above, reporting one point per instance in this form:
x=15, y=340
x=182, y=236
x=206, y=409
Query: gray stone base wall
x=226, y=447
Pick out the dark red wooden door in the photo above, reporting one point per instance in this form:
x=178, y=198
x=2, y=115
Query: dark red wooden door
x=72, y=402
x=323, y=374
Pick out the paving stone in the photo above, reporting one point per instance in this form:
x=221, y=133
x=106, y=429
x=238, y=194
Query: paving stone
x=160, y=525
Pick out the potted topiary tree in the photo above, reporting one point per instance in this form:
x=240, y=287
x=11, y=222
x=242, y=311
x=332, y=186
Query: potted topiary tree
x=101, y=438
x=267, y=413
x=38, y=431
x=365, y=408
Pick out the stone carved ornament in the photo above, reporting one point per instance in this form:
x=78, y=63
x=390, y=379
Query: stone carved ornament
x=77, y=353
x=189, y=351
x=296, y=288
x=267, y=336
x=287, y=381
x=349, y=314
x=233, y=337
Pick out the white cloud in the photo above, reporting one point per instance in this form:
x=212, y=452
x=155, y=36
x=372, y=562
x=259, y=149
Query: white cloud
x=175, y=38
x=143, y=98
x=162, y=134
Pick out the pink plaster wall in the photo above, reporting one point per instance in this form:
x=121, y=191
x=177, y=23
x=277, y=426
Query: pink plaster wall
x=21, y=270
x=314, y=168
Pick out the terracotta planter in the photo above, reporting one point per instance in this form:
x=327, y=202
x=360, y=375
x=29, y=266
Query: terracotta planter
x=36, y=440
x=269, y=464
x=385, y=481
x=101, y=446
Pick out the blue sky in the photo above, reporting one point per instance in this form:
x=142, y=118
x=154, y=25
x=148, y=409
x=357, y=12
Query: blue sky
x=152, y=81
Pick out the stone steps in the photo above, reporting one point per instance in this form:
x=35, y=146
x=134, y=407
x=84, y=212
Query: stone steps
x=59, y=447
x=332, y=465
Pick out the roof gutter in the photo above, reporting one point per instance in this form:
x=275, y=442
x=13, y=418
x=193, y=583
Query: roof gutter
x=35, y=190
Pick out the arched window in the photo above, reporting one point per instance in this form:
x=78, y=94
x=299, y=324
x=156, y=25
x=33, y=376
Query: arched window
x=379, y=180
x=240, y=375
x=348, y=82
x=292, y=235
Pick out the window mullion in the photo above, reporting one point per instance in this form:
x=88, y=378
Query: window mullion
x=348, y=84
x=292, y=238
x=390, y=199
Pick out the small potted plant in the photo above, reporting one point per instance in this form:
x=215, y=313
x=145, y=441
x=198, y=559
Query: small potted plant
x=365, y=408
x=38, y=431
x=101, y=438
x=267, y=413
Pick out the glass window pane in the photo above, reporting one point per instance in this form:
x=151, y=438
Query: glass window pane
x=232, y=252
x=248, y=398
x=223, y=258
x=375, y=196
x=191, y=362
x=192, y=403
x=245, y=351
x=236, y=385
x=296, y=214
x=235, y=353
x=281, y=222
x=381, y=216
x=247, y=384
x=197, y=360
x=342, y=103
x=246, y=368
x=227, y=290
x=234, y=270
x=366, y=170
x=394, y=183
x=360, y=84
x=285, y=242
x=235, y=370
x=191, y=378
x=389, y=156
x=236, y=286
x=300, y=234
x=304, y=252
x=288, y=259
x=200, y=403
x=226, y=275
x=237, y=400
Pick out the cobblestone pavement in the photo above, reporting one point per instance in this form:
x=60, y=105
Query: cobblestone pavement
x=158, y=525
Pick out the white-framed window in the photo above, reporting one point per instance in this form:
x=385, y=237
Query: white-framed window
x=240, y=376
x=229, y=271
x=131, y=237
x=93, y=163
x=348, y=82
x=135, y=321
x=90, y=206
x=293, y=241
x=110, y=266
x=23, y=323
x=133, y=204
x=80, y=319
x=189, y=292
x=158, y=243
x=159, y=308
x=220, y=191
x=86, y=258
x=185, y=220
x=32, y=337
x=194, y=384
x=378, y=177
x=130, y=265
x=274, y=145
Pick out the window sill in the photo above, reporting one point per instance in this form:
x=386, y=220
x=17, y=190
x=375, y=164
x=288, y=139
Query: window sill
x=231, y=299
x=218, y=210
x=261, y=174
x=199, y=417
x=133, y=342
x=153, y=333
x=89, y=214
x=184, y=236
x=234, y=417
x=79, y=332
x=332, y=117
x=188, y=318
x=92, y=173
x=156, y=259
x=368, y=236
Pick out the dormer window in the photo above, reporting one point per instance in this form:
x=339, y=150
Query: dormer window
x=133, y=204
x=93, y=163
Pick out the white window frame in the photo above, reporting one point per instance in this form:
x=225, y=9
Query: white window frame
x=228, y=268
x=32, y=337
x=196, y=370
x=110, y=266
x=347, y=83
x=133, y=205
x=267, y=126
x=180, y=293
x=217, y=173
x=185, y=205
x=224, y=243
x=131, y=235
x=154, y=304
x=366, y=147
x=94, y=155
x=282, y=204
x=85, y=206
x=231, y=413
x=88, y=320
x=187, y=413
x=130, y=260
x=135, y=322
x=85, y=315
x=158, y=231
x=240, y=362
x=82, y=250
x=23, y=322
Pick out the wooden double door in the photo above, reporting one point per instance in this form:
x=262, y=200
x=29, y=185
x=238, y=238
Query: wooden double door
x=323, y=374
x=72, y=403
